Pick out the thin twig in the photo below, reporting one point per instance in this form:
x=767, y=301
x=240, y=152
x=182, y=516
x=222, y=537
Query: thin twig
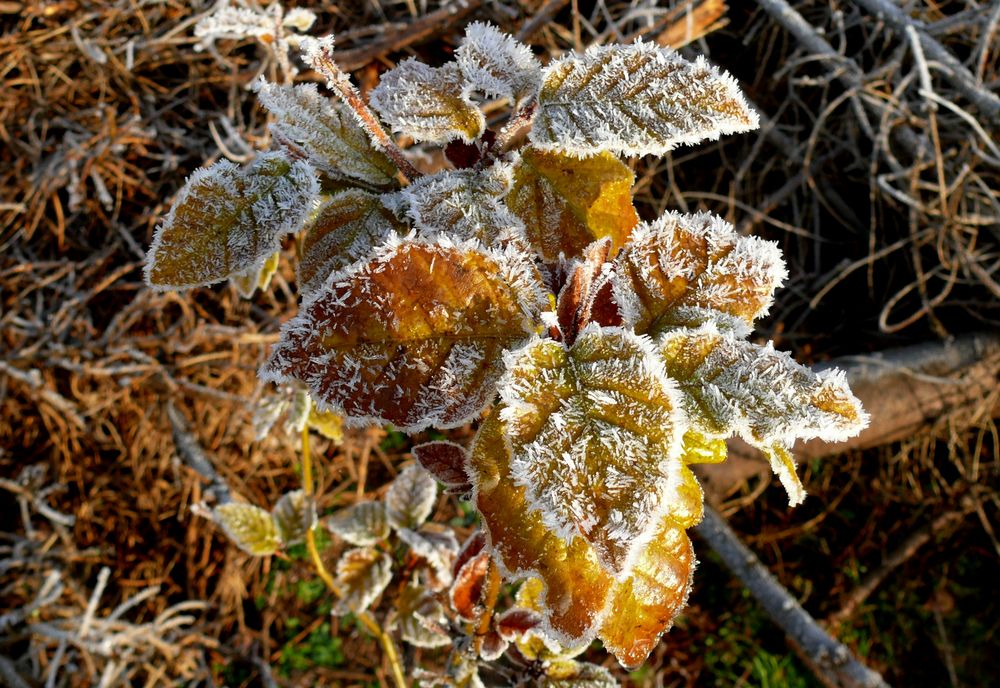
x=320, y=56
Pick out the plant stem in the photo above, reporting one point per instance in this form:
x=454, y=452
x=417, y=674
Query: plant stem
x=322, y=60
x=366, y=619
x=491, y=592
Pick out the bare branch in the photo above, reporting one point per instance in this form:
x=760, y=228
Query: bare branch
x=838, y=665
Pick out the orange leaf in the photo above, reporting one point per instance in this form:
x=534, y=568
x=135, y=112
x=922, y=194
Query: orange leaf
x=412, y=337
x=566, y=202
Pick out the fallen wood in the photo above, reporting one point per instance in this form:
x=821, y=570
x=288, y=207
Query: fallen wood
x=908, y=391
x=833, y=662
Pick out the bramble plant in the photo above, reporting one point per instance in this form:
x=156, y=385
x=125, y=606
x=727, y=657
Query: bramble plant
x=609, y=354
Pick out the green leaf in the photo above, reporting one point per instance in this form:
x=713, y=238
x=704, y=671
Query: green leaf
x=227, y=220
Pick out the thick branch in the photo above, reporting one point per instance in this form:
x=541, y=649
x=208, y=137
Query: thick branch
x=836, y=662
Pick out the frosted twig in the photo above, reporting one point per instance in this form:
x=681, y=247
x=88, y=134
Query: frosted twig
x=839, y=666
x=319, y=53
x=194, y=456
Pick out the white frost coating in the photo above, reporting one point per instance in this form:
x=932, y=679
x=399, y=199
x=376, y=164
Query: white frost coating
x=420, y=618
x=497, y=64
x=464, y=204
x=410, y=498
x=326, y=131
x=635, y=99
x=759, y=394
x=438, y=547
x=720, y=277
x=362, y=574
x=245, y=211
x=595, y=380
x=428, y=103
x=362, y=524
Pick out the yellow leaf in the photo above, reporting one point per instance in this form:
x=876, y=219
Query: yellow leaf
x=327, y=423
x=595, y=433
x=257, y=277
x=644, y=606
x=566, y=203
x=251, y=528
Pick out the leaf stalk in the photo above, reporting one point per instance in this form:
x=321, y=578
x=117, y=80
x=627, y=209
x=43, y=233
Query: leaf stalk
x=366, y=618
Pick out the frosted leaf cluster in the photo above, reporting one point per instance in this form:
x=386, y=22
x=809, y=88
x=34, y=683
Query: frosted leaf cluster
x=260, y=532
x=608, y=355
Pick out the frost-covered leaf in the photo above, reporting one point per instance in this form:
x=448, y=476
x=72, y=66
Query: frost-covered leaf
x=362, y=574
x=446, y=462
x=298, y=412
x=414, y=336
x=430, y=104
x=329, y=136
x=362, y=524
x=345, y=228
x=643, y=607
x=588, y=294
x=420, y=618
x=514, y=623
x=294, y=515
x=575, y=585
x=251, y=528
x=635, y=99
x=465, y=204
x=566, y=202
x=256, y=277
x=435, y=544
x=410, y=499
x=681, y=269
x=468, y=586
x=299, y=18
x=571, y=674
x=228, y=219
x=497, y=64
x=472, y=546
x=595, y=431
x=730, y=386
x=326, y=423
x=266, y=414
x=524, y=625
x=237, y=23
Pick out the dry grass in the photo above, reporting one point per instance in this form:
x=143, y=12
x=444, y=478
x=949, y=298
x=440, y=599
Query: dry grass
x=881, y=185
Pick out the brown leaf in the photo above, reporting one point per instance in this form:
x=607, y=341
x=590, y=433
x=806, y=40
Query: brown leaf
x=446, y=462
x=587, y=295
x=413, y=337
x=468, y=586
